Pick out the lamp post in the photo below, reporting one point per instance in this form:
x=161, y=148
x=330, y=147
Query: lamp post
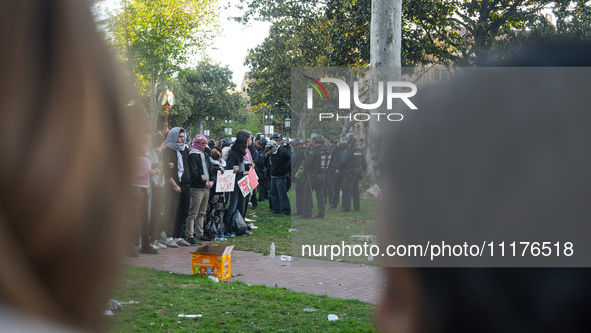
x=265, y=126
x=166, y=102
x=209, y=126
x=287, y=129
x=271, y=129
x=228, y=128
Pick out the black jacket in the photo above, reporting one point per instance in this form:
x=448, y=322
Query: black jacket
x=169, y=156
x=196, y=170
x=280, y=162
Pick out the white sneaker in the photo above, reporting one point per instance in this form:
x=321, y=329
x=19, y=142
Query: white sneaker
x=158, y=244
x=172, y=244
x=183, y=242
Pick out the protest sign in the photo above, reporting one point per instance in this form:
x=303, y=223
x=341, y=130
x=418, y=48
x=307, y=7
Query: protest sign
x=244, y=185
x=253, y=179
x=225, y=182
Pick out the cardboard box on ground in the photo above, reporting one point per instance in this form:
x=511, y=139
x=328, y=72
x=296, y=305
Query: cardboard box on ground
x=213, y=259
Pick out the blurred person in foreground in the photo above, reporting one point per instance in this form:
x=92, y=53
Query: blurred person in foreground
x=66, y=206
x=520, y=153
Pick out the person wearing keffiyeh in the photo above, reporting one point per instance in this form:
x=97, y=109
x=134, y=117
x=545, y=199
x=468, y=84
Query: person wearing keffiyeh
x=178, y=186
x=202, y=179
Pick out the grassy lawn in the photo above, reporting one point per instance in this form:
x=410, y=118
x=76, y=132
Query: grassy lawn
x=335, y=228
x=272, y=228
x=232, y=307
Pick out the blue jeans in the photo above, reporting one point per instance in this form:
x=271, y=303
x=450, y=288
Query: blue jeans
x=278, y=196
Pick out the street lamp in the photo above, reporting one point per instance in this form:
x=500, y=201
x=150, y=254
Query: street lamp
x=287, y=128
x=228, y=130
x=166, y=102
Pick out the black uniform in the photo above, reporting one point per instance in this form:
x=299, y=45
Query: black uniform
x=315, y=166
x=337, y=182
x=353, y=165
x=297, y=158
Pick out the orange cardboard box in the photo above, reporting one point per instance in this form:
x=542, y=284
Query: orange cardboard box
x=213, y=259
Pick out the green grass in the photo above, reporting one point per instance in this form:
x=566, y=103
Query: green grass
x=335, y=228
x=272, y=228
x=227, y=307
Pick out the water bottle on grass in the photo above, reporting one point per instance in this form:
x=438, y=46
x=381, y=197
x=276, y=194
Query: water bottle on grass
x=272, y=251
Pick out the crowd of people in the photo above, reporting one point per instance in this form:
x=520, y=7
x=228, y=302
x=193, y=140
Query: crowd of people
x=328, y=169
x=175, y=183
x=175, y=187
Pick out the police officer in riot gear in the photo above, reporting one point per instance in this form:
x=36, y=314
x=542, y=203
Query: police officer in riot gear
x=353, y=165
x=297, y=158
x=314, y=172
x=337, y=183
x=277, y=138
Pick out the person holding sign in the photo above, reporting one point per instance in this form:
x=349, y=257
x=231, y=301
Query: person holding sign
x=212, y=226
x=235, y=162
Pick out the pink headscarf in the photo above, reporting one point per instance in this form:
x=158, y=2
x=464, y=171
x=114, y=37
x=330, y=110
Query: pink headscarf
x=199, y=143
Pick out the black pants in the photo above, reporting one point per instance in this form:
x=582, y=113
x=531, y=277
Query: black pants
x=140, y=198
x=300, y=195
x=337, y=184
x=156, y=212
x=351, y=190
x=177, y=210
x=314, y=183
x=253, y=196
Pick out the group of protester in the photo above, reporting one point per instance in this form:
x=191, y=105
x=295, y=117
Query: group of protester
x=175, y=187
x=328, y=171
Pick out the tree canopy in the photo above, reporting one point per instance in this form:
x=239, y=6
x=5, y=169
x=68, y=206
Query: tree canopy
x=154, y=38
x=204, y=90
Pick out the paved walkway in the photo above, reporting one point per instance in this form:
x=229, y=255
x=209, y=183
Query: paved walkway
x=335, y=279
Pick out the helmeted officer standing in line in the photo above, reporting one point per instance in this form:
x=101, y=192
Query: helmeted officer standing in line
x=297, y=159
x=337, y=183
x=353, y=165
x=314, y=172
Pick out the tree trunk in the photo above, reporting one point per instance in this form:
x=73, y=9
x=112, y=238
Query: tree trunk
x=302, y=123
x=385, y=44
x=153, y=101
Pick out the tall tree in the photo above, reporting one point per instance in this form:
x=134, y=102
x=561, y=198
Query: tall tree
x=386, y=40
x=291, y=43
x=203, y=91
x=448, y=32
x=155, y=37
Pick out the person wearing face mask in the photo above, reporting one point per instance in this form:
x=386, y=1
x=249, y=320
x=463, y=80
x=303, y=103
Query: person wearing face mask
x=237, y=163
x=280, y=164
x=212, y=226
x=202, y=179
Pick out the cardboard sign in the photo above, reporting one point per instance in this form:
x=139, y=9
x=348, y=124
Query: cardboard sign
x=252, y=177
x=244, y=185
x=225, y=182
